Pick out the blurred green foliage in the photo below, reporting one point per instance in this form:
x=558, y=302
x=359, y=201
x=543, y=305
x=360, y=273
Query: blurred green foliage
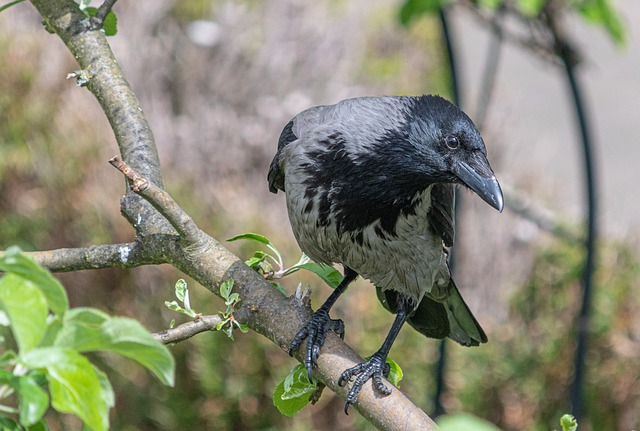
x=526, y=368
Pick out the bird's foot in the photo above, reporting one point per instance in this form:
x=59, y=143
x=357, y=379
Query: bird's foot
x=374, y=368
x=315, y=332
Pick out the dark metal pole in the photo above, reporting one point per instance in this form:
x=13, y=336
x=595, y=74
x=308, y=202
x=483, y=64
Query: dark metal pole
x=438, y=408
x=584, y=318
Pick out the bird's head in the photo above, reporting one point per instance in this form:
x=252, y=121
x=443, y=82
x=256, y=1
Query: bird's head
x=452, y=146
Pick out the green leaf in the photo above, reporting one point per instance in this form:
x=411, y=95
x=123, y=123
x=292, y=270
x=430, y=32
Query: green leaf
x=296, y=384
x=225, y=288
x=86, y=329
x=252, y=236
x=568, y=423
x=181, y=290
x=395, y=372
x=105, y=384
x=15, y=262
x=26, y=307
x=73, y=383
x=33, y=401
x=601, y=12
x=412, y=9
x=287, y=404
x=327, y=273
x=262, y=239
x=7, y=424
x=464, y=422
x=41, y=425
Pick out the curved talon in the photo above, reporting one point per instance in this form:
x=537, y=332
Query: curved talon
x=375, y=368
x=315, y=331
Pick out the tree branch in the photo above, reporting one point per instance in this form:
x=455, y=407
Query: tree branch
x=189, y=329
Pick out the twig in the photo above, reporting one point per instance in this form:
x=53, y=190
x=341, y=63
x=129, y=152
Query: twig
x=160, y=200
x=543, y=218
x=189, y=329
x=97, y=21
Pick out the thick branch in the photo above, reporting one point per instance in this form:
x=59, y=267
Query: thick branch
x=278, y=318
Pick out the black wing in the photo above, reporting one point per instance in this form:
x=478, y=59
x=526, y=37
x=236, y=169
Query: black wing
x=276, y=174
x=441, y=213
x=296, y=128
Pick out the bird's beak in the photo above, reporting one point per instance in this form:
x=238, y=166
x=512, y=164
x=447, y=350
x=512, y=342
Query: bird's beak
x=487, y=187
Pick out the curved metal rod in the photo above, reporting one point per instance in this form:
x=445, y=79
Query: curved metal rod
x=584, y=318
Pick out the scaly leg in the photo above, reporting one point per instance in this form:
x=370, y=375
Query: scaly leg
x=376, y=366
x=316, y=329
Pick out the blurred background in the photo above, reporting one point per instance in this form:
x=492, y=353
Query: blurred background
x=218, y=79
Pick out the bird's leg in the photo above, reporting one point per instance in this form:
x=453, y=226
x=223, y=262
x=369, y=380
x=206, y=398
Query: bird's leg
x=316, y=329
x=376, y=366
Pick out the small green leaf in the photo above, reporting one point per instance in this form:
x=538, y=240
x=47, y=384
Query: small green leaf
x=293, y=393
x=181, y=290
x=26, y=307
x=568, y=423
x=260, y=238
x=395, y=372
x=33, y=401
x=328, y=274
x=221, y=324
x=15, y=262
x=251, y=236
x=7, y=424
x=601, y=12
x=41, y=425
x=296, y=384
x=73, y=383
x=243, y=328
x=233, y=298
x=464, y=422
x=225, y=288
x=86, y=329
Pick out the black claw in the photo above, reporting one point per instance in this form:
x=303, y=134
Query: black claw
x=375, y=368
x=315, y=332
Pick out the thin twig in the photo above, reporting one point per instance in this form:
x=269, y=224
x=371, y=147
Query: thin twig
x=160, y=200
x=189, y=329
x=97, y=21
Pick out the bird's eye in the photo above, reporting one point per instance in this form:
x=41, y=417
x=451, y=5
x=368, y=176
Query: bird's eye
x=452, y=142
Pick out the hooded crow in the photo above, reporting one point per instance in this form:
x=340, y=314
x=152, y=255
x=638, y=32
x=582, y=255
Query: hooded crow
x=370, y=185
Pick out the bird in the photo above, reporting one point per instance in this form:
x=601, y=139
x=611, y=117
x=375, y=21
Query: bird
x=370, y=185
